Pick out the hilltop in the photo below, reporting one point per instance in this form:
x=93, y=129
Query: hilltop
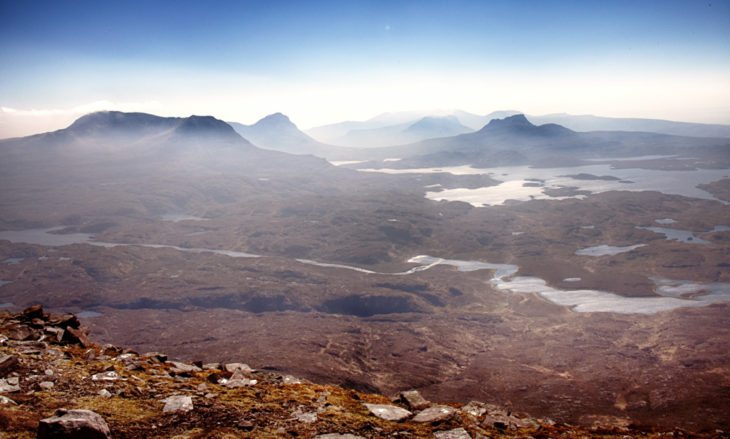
x=52, y=374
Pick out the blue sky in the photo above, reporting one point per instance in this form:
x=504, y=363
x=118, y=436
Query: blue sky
x=323, y=61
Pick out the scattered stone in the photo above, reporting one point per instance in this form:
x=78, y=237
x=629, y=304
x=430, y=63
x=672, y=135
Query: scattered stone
x=307, y=417
x=179, y=368
x=104, y=393
x=211, y=395
x=414, y=400
x=13, y=381
x=105, y=376
x=238, y=380
x=156, y=356
x=474, y=408
x=6, y=387
x=4, y=400
x=56, y=333
x=338, y=436
x=48, y=372
x=288, y=379
x=46, y=385
x=456, y=433
x=436, y=413
x=232, y=367
x=177, y=403
x=8, y=363
x=388, y=412
x=73, y=424
x=212, y=366
x=202, y=387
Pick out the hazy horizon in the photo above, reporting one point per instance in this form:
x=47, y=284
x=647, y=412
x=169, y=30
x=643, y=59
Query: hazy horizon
x=326, y=62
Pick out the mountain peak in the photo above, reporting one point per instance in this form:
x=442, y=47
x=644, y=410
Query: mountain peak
x=518, y=120
x=276, y=119
x=519, y=125
x=114, y=120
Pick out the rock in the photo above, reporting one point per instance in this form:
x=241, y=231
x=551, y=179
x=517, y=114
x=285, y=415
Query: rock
x=21, y=332
x=212, y=366
x=4, y=400
x=6, y=387
x=179, y=368
x=65, y=321
x=105, y=376
x=76, y=336
x=55, y=333
x=33, y=312
x=414, y=400
x=13, y=381
x=202, y=387
x=238, y=380
x=8, y=363
x=457, y=433
x=388, y=412
x=232, y=367
x=104, y=393
x=305, y=417
x=48, y=372
x=436, y=413
x=177, y=403
x=288, y=379
x=156, y=356
x=503, y=421
x=474, y=408
x=46, y=385
x=338, y=436
x=73, y=424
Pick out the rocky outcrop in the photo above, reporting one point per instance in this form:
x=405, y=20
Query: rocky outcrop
x=74, y=424
x=47, y=361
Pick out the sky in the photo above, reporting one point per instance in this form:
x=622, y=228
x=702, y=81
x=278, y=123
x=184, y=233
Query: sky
x=321, y=62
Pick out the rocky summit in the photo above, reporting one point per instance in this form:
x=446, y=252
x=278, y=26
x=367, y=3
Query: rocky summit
x=56, y=383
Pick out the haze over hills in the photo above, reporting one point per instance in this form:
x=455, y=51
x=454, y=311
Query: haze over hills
x=515, y=140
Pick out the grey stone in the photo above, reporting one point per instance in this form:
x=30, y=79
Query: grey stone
x=305, y=417
x=474, y=408
x=177, y=403
x=73, y=424
x=414, y=400
x=183, y=368
x=104, y=393
x=456, y=433
x=8, y=363
x=46, y=385
x=238, y=380
x=388, y=412
x=105, y=376
x=232, y=367
x=436, y=413
x=338, y=436
x=6, y=387
x=4, y=400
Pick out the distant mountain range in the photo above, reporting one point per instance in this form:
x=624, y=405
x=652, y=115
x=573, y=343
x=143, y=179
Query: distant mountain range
x=385, y=129
x=515, y=140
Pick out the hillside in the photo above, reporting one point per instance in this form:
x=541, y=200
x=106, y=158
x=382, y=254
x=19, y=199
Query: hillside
x=52, y=375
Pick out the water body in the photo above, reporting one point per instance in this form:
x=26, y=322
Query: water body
x=13, y=261
x=572, y=279
x=86, y=314
x=665, y=221
x=345, y=162
x=606, y=250
x=5, y=282
x=514, y=178
x=676, y=235
x=177, y=217
x=48, y=238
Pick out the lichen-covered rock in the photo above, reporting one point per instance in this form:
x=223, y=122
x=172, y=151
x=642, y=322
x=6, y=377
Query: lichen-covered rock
x=73, y=424
x=414, y=400
x=456, y=433
x=435, y=414
x=388, y=412
x=178, y=403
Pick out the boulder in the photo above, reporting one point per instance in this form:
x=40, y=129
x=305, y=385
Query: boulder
x=456, y=433
x=388, y=412
x=232, y=367
x=414, y=400
x=239, y=380
x=33, y=312
x=435, y=414
x=177, y=404
x=76, y=336
x=8, y=363
x=73, y=424
x=179, y=368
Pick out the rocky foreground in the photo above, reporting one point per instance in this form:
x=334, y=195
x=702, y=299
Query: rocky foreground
x=56, y=383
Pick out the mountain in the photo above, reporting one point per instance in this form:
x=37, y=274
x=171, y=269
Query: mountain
x=277, y=132
x=413, y=131
x=515, y=140
x=598, y=123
